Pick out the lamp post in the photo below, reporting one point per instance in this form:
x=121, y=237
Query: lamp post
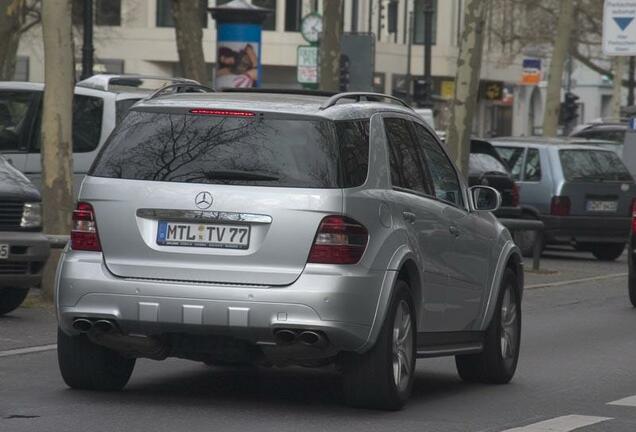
x=87, y=47
x=429, y=10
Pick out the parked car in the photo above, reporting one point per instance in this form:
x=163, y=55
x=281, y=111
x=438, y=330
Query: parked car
x=582, y=193
x=631, y=257
x=606, y=130
x=486, y=167
x=610, y=145
x=99, y=104
x=23, y=248
x=286, y=229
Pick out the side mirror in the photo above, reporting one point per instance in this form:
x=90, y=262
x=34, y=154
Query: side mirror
x=485, y=198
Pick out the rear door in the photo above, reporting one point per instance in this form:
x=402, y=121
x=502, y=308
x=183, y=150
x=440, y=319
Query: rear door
x=231, y=198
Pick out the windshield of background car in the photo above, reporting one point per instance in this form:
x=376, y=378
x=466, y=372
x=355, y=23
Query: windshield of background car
x=14, y=122
x=482, y=163
x=593, y=165
x=251, y=150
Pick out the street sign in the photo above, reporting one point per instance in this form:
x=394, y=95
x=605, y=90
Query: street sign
x=619, y=28
x=307, y=64
x=531, y=74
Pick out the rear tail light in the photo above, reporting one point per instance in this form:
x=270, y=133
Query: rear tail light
x=515, y=195
x=633, y=215
x=84, y=233
x=560, y=206
x=339, y=240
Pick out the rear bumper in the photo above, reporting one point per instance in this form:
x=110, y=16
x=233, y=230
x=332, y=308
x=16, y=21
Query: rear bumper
x=28, y=252
x=340, y=304
x=586, y=229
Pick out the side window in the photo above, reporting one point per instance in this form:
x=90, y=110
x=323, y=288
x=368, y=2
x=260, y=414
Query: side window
x=407, y=168
x=17, y=109
x=353, y=141
x=87, y=124
x=514, y=158
x=445, y=180
x=532, y=170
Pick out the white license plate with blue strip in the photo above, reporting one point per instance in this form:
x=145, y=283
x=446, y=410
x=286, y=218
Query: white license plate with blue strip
x=222, y=236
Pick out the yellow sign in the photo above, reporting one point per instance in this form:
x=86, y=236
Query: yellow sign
x=447, y=90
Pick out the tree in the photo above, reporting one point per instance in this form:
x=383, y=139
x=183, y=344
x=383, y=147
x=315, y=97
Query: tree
x=467, y=82
x=559, y=54
x=619, y=63
x=329, y=51
x=57, y=162
x=16, y=18
x=189, y=34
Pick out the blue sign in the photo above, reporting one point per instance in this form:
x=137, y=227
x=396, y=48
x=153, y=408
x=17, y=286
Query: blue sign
x=632, y=123
x=238, y=55
x=623, y=22
x=533, y=64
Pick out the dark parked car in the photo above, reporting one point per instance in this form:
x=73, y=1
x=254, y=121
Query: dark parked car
x=486, y=167
x=23, y=248
x=631, y=256
x=606, y=131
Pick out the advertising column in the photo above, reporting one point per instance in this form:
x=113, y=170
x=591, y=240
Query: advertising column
x=238, y=34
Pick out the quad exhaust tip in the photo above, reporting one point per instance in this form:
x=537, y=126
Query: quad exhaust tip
x=104, y=325
x=285, y=337
x=305, y=337
x=82, y=324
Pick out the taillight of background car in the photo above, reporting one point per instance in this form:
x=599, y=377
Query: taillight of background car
x=560, y=206
x=339, y=240
x=84, y=232
x=633, y=215
x=515, y=195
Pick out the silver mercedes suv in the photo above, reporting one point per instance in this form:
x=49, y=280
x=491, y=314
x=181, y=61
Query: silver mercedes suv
x=286, y=229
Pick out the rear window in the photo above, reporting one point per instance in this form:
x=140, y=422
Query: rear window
x=259, y=151
x=592, y=165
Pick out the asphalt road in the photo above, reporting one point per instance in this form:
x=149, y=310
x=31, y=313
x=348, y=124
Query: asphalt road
x=577, y=357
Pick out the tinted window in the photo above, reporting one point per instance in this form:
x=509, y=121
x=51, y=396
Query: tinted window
x=353, y=140
x=445, y=181
x=513, y=156
x=481, y=163
x=532, y=170
x=601, y=134
x=592, y=165
x=15, y=123
x=407, y=167
x=221, y=150
x=122, y=107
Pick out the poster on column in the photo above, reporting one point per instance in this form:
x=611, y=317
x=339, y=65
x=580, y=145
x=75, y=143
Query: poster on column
x=238, y=55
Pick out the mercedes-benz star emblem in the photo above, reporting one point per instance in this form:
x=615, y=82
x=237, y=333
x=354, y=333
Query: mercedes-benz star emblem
x=203, y=200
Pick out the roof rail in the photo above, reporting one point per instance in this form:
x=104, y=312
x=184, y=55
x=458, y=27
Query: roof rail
x=368, y=96
x=106, y=82
x=183, y=87
x=300, y=92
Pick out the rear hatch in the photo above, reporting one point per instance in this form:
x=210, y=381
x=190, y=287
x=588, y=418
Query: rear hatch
x=213, y=196
x=485, y=169
x=597, y=183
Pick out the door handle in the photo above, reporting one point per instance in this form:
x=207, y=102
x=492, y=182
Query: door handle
x=409, y=216
x=454, y=230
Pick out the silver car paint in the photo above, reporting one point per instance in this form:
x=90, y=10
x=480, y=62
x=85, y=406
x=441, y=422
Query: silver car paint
x=349, y=303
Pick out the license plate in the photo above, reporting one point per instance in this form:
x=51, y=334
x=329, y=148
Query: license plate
x=602, y=206
x=4, y=251
x=203, y=235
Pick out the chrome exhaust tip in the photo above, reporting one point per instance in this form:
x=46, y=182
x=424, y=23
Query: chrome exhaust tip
x=82, y=324
x=284, y=337
x=104, y=326
x=312, y=338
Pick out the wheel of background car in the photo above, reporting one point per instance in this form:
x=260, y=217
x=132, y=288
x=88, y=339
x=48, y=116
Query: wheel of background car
x=383, y=376
x=632, y=278
x=87, y=366
x=11, y=299
x=497, y=363
x=608, y=251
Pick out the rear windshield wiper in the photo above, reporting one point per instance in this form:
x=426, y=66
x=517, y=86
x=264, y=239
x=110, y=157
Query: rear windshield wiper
x=238, y=175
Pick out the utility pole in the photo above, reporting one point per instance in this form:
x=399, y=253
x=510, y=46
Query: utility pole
x=428, y=45
x=329, y=50
x=87, y=47
x=632, y=84
x=467, y=83
x=409, y=77
x=370, y=17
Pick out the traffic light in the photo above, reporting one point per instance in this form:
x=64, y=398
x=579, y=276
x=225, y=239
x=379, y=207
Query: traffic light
x=420, y=91
x=344, y=72
x=569, y=108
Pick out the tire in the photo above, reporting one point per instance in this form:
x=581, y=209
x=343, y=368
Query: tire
x=632, y=276
x=525, y=240
x=11, y=299
x=491, y=365
x=608, y=251
x=87, y=366
x=369, y=378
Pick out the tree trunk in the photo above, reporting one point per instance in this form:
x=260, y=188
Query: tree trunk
x=189, y=33
x=467, y=83
x=57, y=162
x=329, y=52
x=561, y=48
x=10, y=25
x=617, y=92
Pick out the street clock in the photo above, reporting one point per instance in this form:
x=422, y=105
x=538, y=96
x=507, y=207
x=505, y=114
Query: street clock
x=311, y=27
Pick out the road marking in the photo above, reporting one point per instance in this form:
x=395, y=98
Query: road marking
x=561, y=424
x=628, y=401
x=29, y=350
x=575, y=281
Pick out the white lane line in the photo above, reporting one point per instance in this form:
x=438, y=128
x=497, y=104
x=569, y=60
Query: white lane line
x=561, y=424
x=29, y=350
x=628, y=401
x=575, y=281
